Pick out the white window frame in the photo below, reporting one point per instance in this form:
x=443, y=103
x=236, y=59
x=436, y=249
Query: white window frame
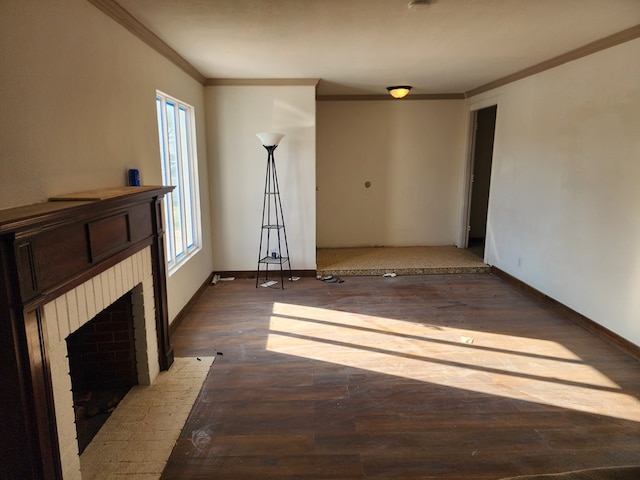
x=183, y=230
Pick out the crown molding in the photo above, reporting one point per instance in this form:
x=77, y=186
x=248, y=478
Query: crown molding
x=128, y=21
x=216, y=82
x=415, y=96
x=588, y=49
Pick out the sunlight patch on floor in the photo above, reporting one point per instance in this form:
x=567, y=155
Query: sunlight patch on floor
x=521, y=368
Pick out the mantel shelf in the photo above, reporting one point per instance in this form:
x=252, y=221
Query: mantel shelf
x=62, y=208
x=103, y=193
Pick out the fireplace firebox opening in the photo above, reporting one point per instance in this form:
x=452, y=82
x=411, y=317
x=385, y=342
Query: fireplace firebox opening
x=102, y=364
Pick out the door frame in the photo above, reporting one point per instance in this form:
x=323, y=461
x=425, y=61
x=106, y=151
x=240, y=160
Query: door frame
x=465, y=211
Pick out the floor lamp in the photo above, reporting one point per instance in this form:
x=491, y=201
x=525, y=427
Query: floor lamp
x=274, y=249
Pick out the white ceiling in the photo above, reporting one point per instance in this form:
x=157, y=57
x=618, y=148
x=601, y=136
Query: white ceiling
x=362, y=46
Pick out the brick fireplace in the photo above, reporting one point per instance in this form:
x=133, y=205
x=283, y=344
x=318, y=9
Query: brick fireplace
x=75, y=309
x=64, y=262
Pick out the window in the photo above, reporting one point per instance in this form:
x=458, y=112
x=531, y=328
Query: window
x=176, y=131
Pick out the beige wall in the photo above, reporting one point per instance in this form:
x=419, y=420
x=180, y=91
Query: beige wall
x=77, y=93
x=238, y=166
x=412, y=153
x=564, y=201
x=78, y=110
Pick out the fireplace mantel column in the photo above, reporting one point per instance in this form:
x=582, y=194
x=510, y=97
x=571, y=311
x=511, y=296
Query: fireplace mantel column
x=159, y=287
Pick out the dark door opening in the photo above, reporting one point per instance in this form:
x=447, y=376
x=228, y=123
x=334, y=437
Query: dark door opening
x=484, y=132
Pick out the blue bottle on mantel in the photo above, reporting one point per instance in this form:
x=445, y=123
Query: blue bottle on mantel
x=134, y=177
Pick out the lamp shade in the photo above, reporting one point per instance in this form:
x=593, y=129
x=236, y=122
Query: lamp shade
x=270, y=139
x=399, y=91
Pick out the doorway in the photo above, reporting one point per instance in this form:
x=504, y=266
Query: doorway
x=482, y=157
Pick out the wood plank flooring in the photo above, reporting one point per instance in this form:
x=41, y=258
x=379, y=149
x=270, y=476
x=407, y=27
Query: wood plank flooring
x=421, y=377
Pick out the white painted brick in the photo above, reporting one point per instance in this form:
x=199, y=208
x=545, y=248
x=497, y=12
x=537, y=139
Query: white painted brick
x=81, y=297
x=51, y=321
x=146, y=264
x=135, y=266
x=147, y=289
x=72, y=309
x=121, y=268
x=59, y=364
x=137, y=309
x=140, y=260
x=113, y=290
x=104, y=289
x=63, y=317
x=126, y=281
x=117, y=274
x=90, y=299
x=128, y=271
x=97, y=293
x=106, y=296
x=121, y=277
x=152, y=353
x=70, y=461
x=65, y=418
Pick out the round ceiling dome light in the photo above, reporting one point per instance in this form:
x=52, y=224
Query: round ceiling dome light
x=420, y=4
x=399, y=91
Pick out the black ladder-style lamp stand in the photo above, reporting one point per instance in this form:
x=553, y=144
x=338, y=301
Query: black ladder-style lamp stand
x=274, y=249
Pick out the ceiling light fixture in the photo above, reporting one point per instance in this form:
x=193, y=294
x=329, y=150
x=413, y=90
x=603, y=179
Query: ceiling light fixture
x=399, y=91
x=420, y=4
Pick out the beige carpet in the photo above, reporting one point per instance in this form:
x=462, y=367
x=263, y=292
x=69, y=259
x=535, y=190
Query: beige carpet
x=398, y=260
x=138, y=437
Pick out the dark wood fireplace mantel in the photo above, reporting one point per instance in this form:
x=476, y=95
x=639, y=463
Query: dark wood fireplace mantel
x=46, y=250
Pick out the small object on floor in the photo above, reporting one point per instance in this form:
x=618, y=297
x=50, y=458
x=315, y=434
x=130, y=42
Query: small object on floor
x=227, y=279
x=215, y=279
x=332, y=279
x=294, y=279
x=389, y=275
x=466, y=339
x=199, y=359
x=219, y=353
x=269, y=283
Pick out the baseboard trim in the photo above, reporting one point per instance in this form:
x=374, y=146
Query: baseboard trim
x=611, y=337
x=173, y=326
x=252, y=273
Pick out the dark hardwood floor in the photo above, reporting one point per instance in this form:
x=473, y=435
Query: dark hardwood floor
x=420, y=377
